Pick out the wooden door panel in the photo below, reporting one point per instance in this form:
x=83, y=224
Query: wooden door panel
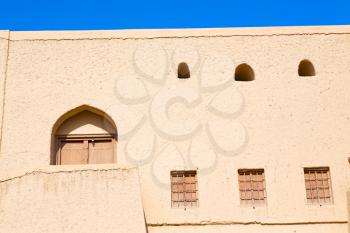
x=73, y=152
x=101, y=151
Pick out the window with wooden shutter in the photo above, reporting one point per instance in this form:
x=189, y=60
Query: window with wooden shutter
x=84, y=135
x=101, y=151
x=184, y=191
x=318, y=185
x=73, y=152
x=85, y=149
x=252, y=186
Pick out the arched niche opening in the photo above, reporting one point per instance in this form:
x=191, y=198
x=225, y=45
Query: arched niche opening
x=244, y=73
x=306, y=69
x=183, y=71
x=84, y=135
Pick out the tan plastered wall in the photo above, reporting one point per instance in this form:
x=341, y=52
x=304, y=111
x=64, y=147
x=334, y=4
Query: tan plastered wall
x=74, y=199
x=348, y=195
x=4, y=36
x=280, y=122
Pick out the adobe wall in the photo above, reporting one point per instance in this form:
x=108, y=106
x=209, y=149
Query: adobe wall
x=68, y=199
x=280, y=122
x=348, y=195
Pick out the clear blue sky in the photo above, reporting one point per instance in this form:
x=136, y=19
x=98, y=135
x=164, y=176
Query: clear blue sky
x=116, y=14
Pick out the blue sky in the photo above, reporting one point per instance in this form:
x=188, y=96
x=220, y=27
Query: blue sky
x=108, y=14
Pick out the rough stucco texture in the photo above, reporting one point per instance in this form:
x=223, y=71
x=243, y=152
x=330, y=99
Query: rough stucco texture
x=348, y=195
x=72, y=200
x=280, y=122
x=3, y=61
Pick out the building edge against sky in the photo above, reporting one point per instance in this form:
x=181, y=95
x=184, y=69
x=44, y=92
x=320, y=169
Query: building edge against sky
x=200, y=130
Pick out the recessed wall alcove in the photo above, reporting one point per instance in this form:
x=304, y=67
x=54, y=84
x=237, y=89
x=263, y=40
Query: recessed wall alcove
x=306, y=69
x=244, y=73
x=84, y=135
x=183, y=71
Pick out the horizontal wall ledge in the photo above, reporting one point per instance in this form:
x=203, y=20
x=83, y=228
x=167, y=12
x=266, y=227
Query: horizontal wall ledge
x=173, y=33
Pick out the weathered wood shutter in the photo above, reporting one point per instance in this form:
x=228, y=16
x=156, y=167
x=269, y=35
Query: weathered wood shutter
x=73, y=152
x=101, y=151
x=85, y=150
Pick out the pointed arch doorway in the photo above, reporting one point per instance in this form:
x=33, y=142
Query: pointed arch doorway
x=84, y=136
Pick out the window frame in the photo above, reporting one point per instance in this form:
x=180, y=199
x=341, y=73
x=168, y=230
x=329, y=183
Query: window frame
x=85, y=138
x=252, y=202
x=319, y=200
x=181, y=203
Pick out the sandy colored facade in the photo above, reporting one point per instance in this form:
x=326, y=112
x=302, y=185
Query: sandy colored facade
x=124, y=85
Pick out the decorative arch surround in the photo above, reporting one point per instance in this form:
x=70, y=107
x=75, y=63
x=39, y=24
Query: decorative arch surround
x=84, y=135
x=183, y=71
x=244, y=73
x=306, y=68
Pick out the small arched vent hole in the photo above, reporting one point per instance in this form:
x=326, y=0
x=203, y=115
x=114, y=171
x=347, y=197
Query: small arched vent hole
x=306, y=68
x=183, y=71
x=244, y=73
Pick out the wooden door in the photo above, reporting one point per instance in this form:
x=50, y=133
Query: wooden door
x=73, y=152
x=101, y=151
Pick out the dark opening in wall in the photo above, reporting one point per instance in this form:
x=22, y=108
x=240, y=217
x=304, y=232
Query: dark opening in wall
x=244, y=73
x=306, y=68
x=183, y=71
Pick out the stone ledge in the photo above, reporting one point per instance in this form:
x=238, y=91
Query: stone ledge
x=174, y=33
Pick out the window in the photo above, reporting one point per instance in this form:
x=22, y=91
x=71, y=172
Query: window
x=184, y=192
x=306, y=68
x=252, y=186
x=84, y=135
x=85, y=149
x=318, y=185
x=244, y=73
x=183, y=71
